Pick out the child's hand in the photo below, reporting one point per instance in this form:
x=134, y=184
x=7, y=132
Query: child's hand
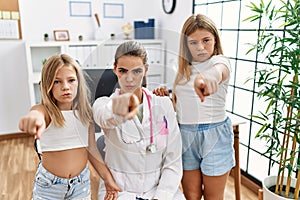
x=125, y=105
x=161, y=91
x=111, y=189
x=33, y=123
x=207, y=82
x=205, y=86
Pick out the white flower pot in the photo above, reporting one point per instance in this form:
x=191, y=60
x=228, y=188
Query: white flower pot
x=269, y=195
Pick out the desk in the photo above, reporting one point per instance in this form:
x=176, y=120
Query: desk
x=236, y=121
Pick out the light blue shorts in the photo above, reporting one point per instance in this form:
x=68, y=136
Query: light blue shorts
x=208, y=147
x=50, y=187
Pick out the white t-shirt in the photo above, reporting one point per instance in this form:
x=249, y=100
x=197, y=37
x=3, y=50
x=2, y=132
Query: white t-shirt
x=190, y=109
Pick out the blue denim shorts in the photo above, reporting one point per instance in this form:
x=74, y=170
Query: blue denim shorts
x=50, y=187
x=208, y=147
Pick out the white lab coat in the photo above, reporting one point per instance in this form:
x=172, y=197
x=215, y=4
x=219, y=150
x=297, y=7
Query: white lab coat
x=138, y=172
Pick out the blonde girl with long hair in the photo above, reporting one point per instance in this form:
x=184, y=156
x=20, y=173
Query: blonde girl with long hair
x=63, y=125
x=201, y=84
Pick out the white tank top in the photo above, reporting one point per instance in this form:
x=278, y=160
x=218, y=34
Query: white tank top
x=73, y=135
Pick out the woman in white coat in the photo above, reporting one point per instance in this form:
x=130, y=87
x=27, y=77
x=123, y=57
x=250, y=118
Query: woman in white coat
x=143, y=142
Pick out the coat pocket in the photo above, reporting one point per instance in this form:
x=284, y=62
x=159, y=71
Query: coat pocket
x=162, y=132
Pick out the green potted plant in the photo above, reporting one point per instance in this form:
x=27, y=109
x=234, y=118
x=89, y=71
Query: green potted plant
x=46, y=37
x=278, y=86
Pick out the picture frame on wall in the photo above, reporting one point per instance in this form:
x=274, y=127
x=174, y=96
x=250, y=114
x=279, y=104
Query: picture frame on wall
x=113, y=10
x=80, y=8
x=61, y=35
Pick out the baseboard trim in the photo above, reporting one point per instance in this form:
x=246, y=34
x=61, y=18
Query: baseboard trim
x=14, y=135
x=248, y=183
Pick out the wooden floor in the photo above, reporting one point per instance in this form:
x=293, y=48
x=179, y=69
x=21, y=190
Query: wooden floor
x=18, y=162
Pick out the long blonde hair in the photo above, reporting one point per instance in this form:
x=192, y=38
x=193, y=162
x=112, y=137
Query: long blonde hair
x=80, y=103
x=192, y=24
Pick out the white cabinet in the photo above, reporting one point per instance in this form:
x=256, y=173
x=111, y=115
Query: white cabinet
x=94, y=56
x=156, y=59
x=36, y=55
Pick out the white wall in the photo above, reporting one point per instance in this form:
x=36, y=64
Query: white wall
x=44, y=16
x=171, y=26
x=14, y=90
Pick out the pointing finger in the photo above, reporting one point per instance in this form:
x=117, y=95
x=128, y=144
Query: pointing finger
x=199, y=86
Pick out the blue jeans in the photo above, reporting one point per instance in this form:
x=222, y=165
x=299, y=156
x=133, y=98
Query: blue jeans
x=50, y=187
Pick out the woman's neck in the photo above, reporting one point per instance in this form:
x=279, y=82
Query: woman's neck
x=139, y=94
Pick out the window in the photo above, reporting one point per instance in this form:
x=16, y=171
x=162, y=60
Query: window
x=228, y=16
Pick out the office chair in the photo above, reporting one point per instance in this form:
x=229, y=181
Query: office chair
x=107, y=84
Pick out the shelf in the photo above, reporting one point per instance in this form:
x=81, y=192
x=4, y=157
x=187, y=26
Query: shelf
x=94, y=57
x=36, y=77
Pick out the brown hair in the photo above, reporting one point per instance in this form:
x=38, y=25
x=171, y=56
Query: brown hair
x=132, y=48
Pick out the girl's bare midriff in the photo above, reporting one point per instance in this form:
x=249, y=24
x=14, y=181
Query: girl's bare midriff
x=67, y=163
